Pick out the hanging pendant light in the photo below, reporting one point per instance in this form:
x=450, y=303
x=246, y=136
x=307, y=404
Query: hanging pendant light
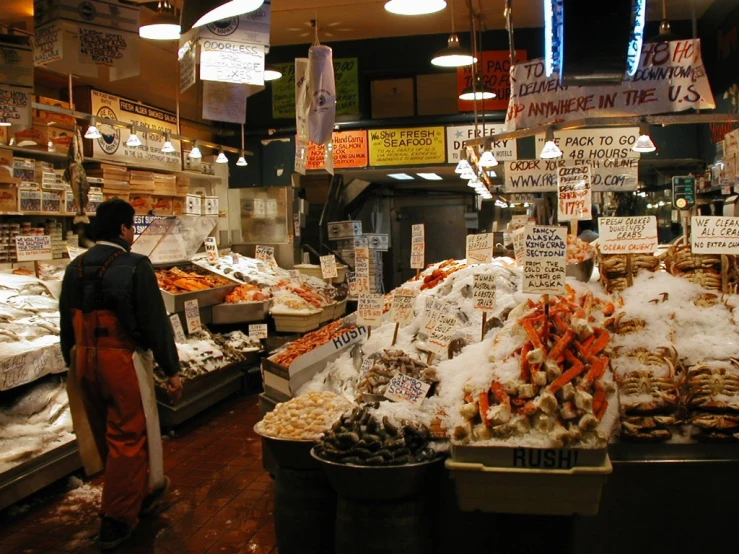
x=133, y=141
x=550, y=150
x=168, y=147
x=453, y=55
x=221, y=159
x=467, y=175
x=414, y=7
x=92, y=132
x=271, y=73
x=203, y=12
x=195, y=153
x=463, y=166
x=644, y=143
x=487, y=159
x=242, y=160
x=477, y=92
x=665, y=30
x=164, y=24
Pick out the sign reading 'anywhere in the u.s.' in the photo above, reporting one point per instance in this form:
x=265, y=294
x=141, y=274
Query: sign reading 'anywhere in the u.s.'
x=671, y=77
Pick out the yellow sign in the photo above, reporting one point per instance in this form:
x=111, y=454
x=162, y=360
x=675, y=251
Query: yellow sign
x=412, y=146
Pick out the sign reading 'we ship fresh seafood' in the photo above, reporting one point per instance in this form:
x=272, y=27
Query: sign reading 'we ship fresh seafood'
x=670, y=78
x=112, y=145
x=411, y=146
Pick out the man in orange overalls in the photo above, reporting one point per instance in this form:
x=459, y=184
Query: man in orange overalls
x=112, y=314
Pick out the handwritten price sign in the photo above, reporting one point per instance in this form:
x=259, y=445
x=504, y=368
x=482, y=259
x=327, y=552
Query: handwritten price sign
x=328, y=267
x=574, y=193
x=628, y=235
x=403, y=388
x=179, y=332
x=715, y=235
x=484, y=292
x=545, y=263
x=480, y=249
x=402, y=308
x=211, y=248
x=369, y=309
x=192, y=316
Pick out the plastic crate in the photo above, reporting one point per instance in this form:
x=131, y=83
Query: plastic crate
x=529, y=491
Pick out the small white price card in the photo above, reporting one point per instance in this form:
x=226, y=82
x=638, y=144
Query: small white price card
x=264, y=253
x=235, y=258
x=519, y=245
x=484, y=292
x=295, y=275
x=545, y=263
x=367, y=364
x=574, y=193
x=519, y=221
x=403, y=388
x=628, y=235
x=480, y=249
x=715, y=235
x=328, y=267
x=260, y=209
x=258, y=331
x=361, y=269
x=402, y=308
x=33, y=248
x=179, y=332
x=211, y=248
x=369, y=309
x=418, y=246
x=432, y=312
x=192, y=316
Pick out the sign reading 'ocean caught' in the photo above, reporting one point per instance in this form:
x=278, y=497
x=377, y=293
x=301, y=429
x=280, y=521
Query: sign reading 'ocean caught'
x=628, y=235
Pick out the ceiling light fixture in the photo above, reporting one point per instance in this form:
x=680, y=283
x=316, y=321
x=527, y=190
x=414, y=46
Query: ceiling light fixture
x=164, y=24
x=472, y=183
x=463, y=166
x=415, y=7
x=477, y=92
x=430, y=176
x=168, y=147
x=467, y=175
x=487, y=159
x=453, y=55
x=133, y=141
x=242, y=160
x=271, y=73
x=492, y=174
x=195, y=153
x=92, y=132
x=202, y=12
x=644, y=143
x=400, y=176
x=221, y=158
x=550, y=150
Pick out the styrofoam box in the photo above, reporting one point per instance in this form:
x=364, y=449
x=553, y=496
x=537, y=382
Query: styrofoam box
x=344, y=229
x=529, y=491
x=210, y=205
x=377, y=241
x=194, y=204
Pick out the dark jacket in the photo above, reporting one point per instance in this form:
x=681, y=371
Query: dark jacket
x=129, y=289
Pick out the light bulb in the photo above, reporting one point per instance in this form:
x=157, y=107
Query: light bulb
x=453, y=55
x=272, y=73
x=487, y=159
x=50, y=146
x=242, y=161
x=195, y=153
x=221, y=159
x=644, y=144
x=463, y=166
x=550, y=151
x=168, y=147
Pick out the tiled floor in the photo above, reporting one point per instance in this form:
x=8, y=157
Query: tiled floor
x=221, y=499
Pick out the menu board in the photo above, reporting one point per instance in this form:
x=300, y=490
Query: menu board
x=479, y=249
x=628, y=235
x=715, y=235
x=574, y=193
x=349, y=151
x=410, y=146
x=369, y=309
x=545, y=263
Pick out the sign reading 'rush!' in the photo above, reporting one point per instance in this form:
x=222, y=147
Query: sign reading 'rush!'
x=493, y=68
x=350, y=151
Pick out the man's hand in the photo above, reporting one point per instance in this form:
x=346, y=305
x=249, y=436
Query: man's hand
x=174, y=388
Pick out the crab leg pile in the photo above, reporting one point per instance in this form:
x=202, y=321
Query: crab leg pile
x=560, y=388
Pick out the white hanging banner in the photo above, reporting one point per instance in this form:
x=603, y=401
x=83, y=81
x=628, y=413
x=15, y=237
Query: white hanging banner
x=671, y=77
x=322, y=93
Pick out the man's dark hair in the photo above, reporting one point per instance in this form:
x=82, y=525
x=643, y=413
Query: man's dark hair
x=109, y=217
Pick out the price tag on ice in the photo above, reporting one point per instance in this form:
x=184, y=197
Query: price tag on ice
x=235, y=258
x=295, y=275
x=369, y=309
x=441, y=335
x=328, y=267
x=192, y=316
x=211, y=248
x=628, y=235
x=715, y=235
x=484, y=292
x=367, y=364
x=402, y=308
x=432, y=313
x=179, y=332
x=403, y=388
x=479, y=249
x=545, y=263
x=33, y=248
x=418, y=246
x=519, y=245
x=266, y=254
x=258, y=331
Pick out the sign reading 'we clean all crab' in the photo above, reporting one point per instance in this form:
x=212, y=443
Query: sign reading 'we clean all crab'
x=715, y=235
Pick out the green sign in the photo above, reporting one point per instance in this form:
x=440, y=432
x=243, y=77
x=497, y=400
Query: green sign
x=346, y=73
